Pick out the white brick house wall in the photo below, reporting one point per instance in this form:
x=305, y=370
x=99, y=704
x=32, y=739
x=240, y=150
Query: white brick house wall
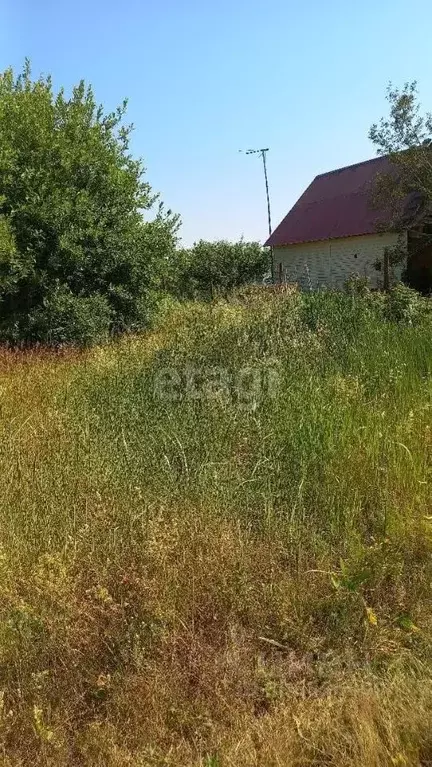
x=331, y=262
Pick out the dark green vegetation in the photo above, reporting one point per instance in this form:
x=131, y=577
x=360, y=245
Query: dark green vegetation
x=77, y=259
x=80, y=258
x=209, y=269
x=232, y=575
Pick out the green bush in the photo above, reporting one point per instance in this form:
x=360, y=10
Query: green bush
x=74, y=245
x=68, y=319
x=214, y=268
x=403, y=304
x=356, y=285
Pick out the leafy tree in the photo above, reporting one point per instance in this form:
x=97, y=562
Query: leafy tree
x=78, y=260
x=211, y=268
x=406, y=137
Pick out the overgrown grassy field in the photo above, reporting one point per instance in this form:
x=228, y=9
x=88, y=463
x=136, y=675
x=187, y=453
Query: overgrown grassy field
x=229, y=574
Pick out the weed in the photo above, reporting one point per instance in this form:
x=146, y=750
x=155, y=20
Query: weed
x=214, y=581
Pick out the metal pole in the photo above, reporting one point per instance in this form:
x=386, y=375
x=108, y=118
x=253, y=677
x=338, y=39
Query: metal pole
x=262, y=152
x=263, y=155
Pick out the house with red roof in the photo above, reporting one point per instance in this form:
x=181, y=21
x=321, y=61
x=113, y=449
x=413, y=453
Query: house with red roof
x=334, y=231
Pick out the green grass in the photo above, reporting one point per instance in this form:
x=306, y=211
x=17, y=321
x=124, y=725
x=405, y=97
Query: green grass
x=236, y=578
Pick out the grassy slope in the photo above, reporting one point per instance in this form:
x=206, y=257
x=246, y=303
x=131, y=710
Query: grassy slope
x=227, y=580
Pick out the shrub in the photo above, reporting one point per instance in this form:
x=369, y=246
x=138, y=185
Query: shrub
x=73, y=239
x=403, y=304
x=68, y=319
x=214, y=268
x=356, y=285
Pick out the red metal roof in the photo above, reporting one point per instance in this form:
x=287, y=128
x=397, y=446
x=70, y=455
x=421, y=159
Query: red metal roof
x=336, y=204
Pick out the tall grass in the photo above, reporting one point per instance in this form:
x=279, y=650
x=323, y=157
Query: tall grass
x=235, y=575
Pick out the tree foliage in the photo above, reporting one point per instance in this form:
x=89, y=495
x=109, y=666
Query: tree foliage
x=78, y=259
x=213, y=268
x=405, y=135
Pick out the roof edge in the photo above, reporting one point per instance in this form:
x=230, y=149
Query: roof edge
x=372, y=233
x=353, y=165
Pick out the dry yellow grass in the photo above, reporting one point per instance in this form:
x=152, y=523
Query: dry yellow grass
x=219, y=586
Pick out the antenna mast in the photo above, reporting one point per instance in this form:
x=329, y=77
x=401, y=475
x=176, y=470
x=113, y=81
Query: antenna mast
x=263, y=153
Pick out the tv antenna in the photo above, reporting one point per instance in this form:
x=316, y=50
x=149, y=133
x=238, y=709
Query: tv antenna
x=263, y=153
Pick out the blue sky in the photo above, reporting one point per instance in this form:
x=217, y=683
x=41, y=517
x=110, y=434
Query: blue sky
x=205, y=79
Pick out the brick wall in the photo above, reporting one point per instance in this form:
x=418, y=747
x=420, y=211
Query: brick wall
x=331, y=262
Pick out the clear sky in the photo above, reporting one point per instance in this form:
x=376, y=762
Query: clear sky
x=207, y=78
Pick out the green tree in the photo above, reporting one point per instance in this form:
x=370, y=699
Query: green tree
x=78, y=258
x=213, y=268
x=405, y=135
